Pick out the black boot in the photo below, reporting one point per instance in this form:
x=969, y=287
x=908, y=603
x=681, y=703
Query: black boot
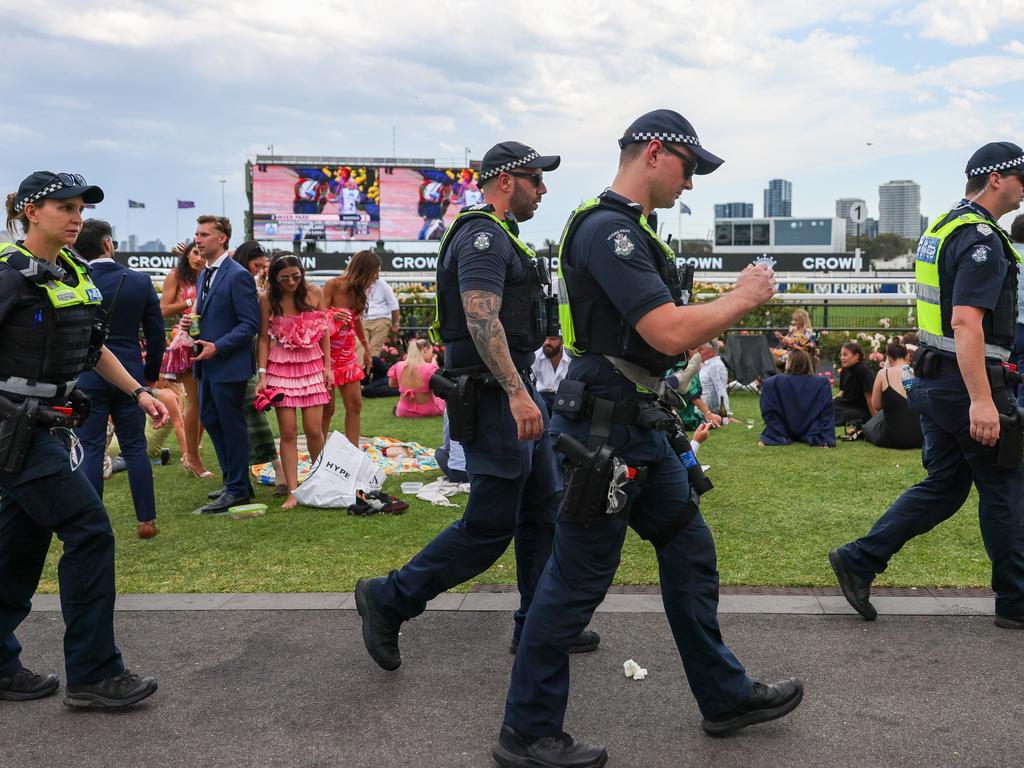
x=115, y=692
x=512, y=751
x=585, y=642
x=380, y=635
x=25, y=685
x=766, y=702
x=856, y=590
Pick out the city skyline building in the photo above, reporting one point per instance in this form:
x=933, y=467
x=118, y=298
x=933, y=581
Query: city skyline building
x=734, y=210
x=778, y=198
x=899, y=208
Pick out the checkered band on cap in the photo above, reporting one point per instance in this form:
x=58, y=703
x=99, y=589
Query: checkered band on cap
x=987, y=169
x=506, y=167
x=53, y=186
x=678, y=138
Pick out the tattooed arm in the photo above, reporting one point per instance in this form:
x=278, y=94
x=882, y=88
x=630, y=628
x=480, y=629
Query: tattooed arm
x=481, y=308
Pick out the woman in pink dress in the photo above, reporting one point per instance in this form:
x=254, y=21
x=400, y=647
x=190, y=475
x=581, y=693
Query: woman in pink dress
x=412, y=377
x=346, y=295
x=176, y=299
x=294, y=357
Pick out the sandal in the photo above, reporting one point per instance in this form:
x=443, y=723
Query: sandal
x=202, y=474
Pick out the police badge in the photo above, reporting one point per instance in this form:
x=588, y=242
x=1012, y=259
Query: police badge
x=622, y=244
x=980, y=254
x=482, y=241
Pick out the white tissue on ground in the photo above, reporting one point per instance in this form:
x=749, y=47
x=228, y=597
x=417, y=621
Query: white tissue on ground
x=631, y=669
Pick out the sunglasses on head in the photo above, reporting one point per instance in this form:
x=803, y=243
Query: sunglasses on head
x=72, y=179
x=536, y=178
x=689, y=164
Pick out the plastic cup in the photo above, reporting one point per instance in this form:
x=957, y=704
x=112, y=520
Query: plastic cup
x=750, y=423
x=411, y=487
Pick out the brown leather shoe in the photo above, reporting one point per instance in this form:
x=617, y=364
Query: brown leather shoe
x=148, y=529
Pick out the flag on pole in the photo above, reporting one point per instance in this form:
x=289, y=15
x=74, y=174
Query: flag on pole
x=684, y=208
x=186, y=204
x=136, y=204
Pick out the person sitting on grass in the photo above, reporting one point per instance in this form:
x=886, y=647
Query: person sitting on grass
x=799, y=336
x=894, y=425
x=412, y=377
x=856, y=381
x=797, y=405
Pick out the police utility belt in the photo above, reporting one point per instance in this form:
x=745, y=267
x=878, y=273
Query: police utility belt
x=460, y=388
x=19, y=419
x=597, y=480
x=1009, y=449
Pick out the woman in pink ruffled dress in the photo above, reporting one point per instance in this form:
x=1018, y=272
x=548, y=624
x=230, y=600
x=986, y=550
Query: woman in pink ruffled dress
x=294, y=357
x=346, y=295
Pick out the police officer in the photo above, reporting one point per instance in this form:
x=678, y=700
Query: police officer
x=49, y=335
x=624, y=322
x=966, y=271
x=492, y=317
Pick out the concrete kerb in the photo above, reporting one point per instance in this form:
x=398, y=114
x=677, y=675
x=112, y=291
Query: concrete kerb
x=924, y=604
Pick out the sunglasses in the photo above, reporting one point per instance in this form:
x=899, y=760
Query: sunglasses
x=536, y=178
x=289, y=278
x=689, y=164
x=72, y=179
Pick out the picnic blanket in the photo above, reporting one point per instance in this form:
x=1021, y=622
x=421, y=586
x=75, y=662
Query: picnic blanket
x=390, y=454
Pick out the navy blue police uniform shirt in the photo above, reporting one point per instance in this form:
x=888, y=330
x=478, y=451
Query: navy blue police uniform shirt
x=612, y=247
x=973, y=264
x=484, y=258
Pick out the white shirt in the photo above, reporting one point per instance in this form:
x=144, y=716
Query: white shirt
x=548, y=377
x=714, y=383
x=216, y=267
x=349, y=198
x=380, y=301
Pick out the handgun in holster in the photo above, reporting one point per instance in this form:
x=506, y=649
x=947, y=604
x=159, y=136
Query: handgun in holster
x=17, y=420
x=595, y=482
x=1009, y=449
x=461, y=395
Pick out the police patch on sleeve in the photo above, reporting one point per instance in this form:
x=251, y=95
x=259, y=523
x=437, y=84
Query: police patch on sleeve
x=980, y=253
x=621, y=244
x=985, y=229
x=482, y=241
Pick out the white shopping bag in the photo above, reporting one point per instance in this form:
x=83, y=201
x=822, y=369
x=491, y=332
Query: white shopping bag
x=337, y=474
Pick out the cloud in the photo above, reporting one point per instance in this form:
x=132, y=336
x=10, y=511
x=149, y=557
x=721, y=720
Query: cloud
x=189, y=91
x=962, y=22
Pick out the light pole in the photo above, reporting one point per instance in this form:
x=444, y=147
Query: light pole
x=222, y=207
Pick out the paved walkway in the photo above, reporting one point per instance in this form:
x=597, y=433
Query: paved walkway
x=810, y=602
x=283, y=680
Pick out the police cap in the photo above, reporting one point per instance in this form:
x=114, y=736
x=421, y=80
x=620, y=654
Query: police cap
x=996, y=157
x=670, y=127
x=58, y=186
x=509, y=155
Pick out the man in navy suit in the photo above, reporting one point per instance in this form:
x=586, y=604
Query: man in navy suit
x=227, y=312
x=137, y=306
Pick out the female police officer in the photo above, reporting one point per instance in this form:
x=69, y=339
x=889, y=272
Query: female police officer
x=48, y=335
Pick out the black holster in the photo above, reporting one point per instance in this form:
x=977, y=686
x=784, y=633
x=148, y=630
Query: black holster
x=595, y=481
x=1009, y=449
x=16, y=425
x=462, y=396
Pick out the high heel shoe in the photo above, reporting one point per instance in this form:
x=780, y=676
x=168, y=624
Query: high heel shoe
x=194, y=472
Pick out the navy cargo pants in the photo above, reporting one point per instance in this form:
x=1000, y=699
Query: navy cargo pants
x=44, y=498
x=953, y=461
x=515, y=489
x=577, y=576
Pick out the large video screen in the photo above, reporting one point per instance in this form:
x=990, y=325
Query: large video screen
x=315, y=203
x=343, y=202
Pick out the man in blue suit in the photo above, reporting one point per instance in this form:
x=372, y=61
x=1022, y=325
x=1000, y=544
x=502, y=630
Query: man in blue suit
x=228, y=315
x=137, y=306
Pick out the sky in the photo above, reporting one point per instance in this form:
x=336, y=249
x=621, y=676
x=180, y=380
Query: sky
x=159, y=100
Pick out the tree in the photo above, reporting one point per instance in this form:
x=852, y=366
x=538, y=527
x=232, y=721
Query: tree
x=888, y=246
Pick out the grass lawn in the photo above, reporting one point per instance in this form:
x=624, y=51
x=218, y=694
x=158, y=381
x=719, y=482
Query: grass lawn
x=775, y=513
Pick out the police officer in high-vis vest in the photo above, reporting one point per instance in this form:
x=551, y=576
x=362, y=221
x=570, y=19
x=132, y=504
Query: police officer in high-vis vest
x=626, y=323
x=966, y=272
x=50, y=331
x=492, y=316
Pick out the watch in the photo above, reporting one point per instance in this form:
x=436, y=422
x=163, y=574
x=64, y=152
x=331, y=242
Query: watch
x=139, y=390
